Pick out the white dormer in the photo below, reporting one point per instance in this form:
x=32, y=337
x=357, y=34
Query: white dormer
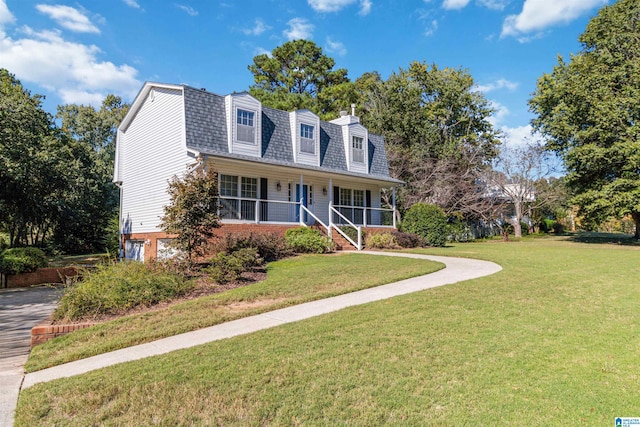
x=244, y=124
x=305, y=133
x=356, y=142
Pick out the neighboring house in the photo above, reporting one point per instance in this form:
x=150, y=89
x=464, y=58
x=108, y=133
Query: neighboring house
x=276, y=169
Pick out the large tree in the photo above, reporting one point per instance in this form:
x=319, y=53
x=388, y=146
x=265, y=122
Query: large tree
x=437, y=132
x=32, y=165
x=93, y=198
x=589, y=108
x=298, y=75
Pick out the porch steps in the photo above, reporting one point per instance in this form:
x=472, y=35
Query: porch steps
x=341, y=243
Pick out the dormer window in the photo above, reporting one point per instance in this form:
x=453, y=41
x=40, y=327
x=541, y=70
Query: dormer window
x=245, y=126
x=307, y=140
x=357, y=149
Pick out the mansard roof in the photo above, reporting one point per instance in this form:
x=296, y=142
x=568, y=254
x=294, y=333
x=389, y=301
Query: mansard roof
x=206, y=132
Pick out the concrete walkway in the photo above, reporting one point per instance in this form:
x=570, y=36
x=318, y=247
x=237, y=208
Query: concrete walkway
x=457, y=269
x=20, y=310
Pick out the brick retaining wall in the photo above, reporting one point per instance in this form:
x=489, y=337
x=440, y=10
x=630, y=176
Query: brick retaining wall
x=40, y=276
x=45, y=331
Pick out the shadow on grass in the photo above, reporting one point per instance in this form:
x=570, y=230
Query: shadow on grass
x=603, y=238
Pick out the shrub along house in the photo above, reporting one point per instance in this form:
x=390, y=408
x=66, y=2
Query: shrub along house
x=276, y=169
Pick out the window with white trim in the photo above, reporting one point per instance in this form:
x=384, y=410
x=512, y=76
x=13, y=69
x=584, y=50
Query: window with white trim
x=245, y=126
x=357, y=149
x=358, y=197
x=249, y=188
x=228, y=186
x=345, y=197
x=307, y=140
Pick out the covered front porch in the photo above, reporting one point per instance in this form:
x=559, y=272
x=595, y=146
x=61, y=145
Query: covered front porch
x=331, y=202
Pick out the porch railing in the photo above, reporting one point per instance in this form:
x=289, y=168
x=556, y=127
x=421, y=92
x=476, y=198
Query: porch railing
x=243, y=209
x=366, y=216
x=345, y=222
x=304, y=210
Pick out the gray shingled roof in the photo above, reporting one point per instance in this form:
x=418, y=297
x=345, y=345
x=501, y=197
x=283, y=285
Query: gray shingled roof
x=206, y=131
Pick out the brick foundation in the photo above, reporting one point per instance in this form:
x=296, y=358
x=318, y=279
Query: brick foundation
x=151, y=239
x=45, y=331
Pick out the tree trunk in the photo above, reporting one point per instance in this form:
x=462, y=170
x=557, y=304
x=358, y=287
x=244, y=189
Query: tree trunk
x=636, y=220
x=517, y=230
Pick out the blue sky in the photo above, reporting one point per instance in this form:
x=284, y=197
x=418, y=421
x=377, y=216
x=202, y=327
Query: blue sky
x=78, y=51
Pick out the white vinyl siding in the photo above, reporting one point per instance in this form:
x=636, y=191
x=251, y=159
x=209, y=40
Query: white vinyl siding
x=305, y=133
x=244, y=129
x=152, y=151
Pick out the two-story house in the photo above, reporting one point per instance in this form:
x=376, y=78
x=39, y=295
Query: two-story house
x=276, y=169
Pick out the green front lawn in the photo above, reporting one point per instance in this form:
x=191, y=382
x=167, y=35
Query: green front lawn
x=290, y=281
x=553, y=339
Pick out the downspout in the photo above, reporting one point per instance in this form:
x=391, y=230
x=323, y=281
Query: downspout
x=120, y=230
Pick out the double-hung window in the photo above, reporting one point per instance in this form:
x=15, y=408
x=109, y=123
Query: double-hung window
x=228, y=196
x=245, y=126
x=248, y=190
x=357, y=149
x=307, y=140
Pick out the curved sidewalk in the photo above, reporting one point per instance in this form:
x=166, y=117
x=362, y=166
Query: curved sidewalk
x=457, y=270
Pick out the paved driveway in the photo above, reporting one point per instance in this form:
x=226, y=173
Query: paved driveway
x=20, y=310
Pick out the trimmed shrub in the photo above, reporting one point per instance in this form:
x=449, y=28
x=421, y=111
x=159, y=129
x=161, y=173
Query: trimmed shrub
x=408, y=240
x=307, y=240
x=427, y=221
x=227, y=267
x=22, y=260
x=270, y=246
x=382, y=241
x=118, y=287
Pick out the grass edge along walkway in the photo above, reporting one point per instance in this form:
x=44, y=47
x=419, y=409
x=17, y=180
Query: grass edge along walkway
x=456, y=270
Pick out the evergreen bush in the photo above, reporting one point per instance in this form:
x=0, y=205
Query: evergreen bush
x=307, y=240
x=408, y=240
x=428, y=221
x=22, y=260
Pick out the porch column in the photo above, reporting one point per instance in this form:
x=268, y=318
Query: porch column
x=330, y=190
x=300, y=210
x=393, y=202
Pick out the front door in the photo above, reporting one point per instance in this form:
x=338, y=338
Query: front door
x=305, y=200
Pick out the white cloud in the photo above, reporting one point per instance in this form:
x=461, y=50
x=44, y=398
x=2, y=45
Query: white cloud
x=329, y=5
x=325, y=6
x=299, y=28
x=498, y=84
x=335, y=47
x=520, y=136
x=454, y=4
x=132, y=3
x=537, y=15
x=494, y=4
x=6, y=17
x=431, y=24
x=68, y=17
x=499, y=114
x=191, y=11
x=365, y=7
x=72, y=70
x=258, y=28
x=431, y=28
x=261, y=51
